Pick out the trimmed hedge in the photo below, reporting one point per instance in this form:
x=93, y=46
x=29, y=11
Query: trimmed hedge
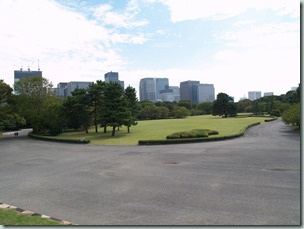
x=74, y=141
x=270, y=120
x=196, y=133
x=194, y=140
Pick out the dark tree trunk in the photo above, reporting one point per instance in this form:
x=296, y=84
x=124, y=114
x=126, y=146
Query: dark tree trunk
x=113, y=131
x=128, y=129
x=95, y=119
x=105, y=129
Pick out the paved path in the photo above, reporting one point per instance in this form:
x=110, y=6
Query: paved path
x=252, y=180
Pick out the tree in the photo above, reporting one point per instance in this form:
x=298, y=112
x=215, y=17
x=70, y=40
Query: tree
x=5, y=92
x=180, y=112
x=244, y=106
x=34, y=87
x=132, y=104
x=185, y=103
x=34, y=96
x=96, y=97
x=224, y=106
x=9, y=119
x=293, y=115
x=205, y=107
x=115, y=105
x=76, y=109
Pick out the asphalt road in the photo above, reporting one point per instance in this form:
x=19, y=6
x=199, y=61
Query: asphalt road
x=252, y=180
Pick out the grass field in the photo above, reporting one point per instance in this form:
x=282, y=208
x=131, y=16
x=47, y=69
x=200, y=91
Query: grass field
x=159, y=129
x=12, y=217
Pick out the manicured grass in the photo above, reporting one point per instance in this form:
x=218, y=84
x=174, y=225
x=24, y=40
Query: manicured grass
x=159, y=129
x=12, y=217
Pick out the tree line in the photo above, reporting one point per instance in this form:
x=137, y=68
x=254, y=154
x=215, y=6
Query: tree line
x=36, y=106
x=109, y=105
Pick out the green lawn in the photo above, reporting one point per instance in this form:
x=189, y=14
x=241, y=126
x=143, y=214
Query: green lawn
x=12, y=217
x=159, y=129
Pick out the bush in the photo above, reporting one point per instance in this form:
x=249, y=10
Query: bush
x=196, y=133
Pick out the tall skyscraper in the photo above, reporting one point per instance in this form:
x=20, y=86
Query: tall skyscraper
x=254, y=95
x=113, y=77
x=188, y=91
x=205, y=93
x=150, y=88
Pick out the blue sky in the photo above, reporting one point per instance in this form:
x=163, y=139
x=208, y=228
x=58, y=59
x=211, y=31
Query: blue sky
x=238, y=45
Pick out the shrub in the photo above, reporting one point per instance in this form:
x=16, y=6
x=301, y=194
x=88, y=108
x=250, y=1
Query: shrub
x=196, y=133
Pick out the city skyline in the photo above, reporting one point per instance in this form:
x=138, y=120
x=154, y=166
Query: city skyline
x=238, y=47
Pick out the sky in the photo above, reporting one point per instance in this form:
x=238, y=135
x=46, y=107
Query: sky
x=237, y=45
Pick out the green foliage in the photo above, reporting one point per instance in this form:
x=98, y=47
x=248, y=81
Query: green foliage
x=293, y=115
x=96, y=98
x=224, y=106
x=9, y=119
x=180, y=112
x=205, y=108
x=5, y=92
x=185, y=103
x=76, y=110
x=34, y=87
x=132, y=105
x=154, y=112
x=244, y=106
x=37, y=103
x=117, y=112
x=196, y=133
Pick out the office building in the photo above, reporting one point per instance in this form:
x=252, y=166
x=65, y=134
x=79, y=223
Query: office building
x=160, y=84
x=150, y=88
x=113, y=77
x=71, y=86
x=61, y=89
x=205, y=93
x=176, y=93
x=170, y=94
x=254, y=95
x=294, y=88
x=268, y=93
x=21, y=74
x=188, y=91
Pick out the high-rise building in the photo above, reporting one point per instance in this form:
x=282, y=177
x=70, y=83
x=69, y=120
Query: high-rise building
x=268, y=93
x=113, y=77
x=205, y=93
x=176, y=93
x=71, y=86
x=147, y=90
x=150, y=88
x=160, y=84
x=21, y=74
x=254, y=95
x=61, y=90
x=188, y=91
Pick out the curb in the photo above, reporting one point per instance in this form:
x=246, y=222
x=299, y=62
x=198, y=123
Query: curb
x=30, y=213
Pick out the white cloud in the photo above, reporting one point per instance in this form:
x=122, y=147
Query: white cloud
x=270, y=35
x=106, y=15
x=221, y=9
x=69, y=46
